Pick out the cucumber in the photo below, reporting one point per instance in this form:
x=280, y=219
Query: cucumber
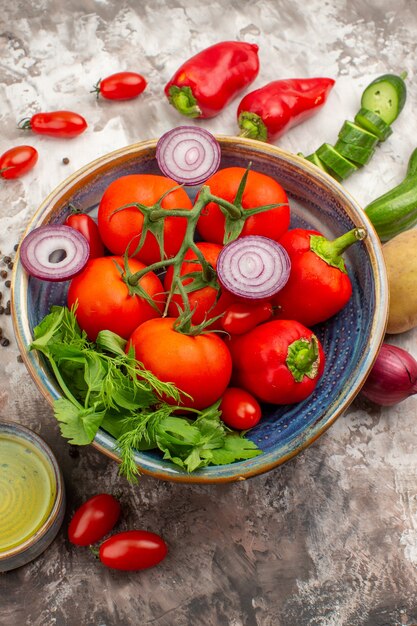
x=357, y=154
x=313, y=158
x=396, y=210
x=336, y=162
x=352, y=133
x=385, y=96
x=373, y=123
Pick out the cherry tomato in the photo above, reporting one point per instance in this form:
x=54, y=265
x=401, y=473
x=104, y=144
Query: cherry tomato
x=260, y=190
x=104, y=302
x=93, y=520
x=206, y=302
x=240, y=317
x=280, y=361
x=198, y=365
x=121, y=86
x=133, y=550
x=121, y=228
x=240, y=410
x=55, y=123
x=87, y=227
x=17, y=161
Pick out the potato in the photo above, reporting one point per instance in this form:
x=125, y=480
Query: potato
x=400, y=254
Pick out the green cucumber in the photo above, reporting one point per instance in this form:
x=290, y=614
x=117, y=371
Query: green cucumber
x=335, y=161
x=373, y=123
x=313, y=158
x=357, y=154
x=352, y=133
x=385, y=96
x=396, y=210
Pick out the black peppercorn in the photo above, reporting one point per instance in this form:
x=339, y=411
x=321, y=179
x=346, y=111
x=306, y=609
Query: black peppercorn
x=5, y=342
x=15, y=247
x=10, y=265
x=7, y=283
x=7, y=259
x=65, y=160
x=3, y=274
x=19, y=358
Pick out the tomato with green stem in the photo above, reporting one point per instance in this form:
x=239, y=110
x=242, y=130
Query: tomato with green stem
x=63, y=124
x=240, y=409
x=121, y=86
x=17, y=161
x=106, y=301
x=123, y=217
x=93, y=520
x=206, y=298
x=199, y=364
x=245, y=189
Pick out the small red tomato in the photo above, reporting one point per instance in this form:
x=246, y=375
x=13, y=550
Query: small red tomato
x=240, y=410
x=133, y=550
x=240, y=317
x=87, y=227
x=121, y=86
x=93, y=520
x=17, y=161
x=56, y=123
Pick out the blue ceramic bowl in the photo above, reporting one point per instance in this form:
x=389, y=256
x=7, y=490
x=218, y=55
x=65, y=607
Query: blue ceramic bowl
x=351, y=340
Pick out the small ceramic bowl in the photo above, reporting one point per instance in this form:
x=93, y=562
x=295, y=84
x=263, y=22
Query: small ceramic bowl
x=32, y=495
x=351, y=340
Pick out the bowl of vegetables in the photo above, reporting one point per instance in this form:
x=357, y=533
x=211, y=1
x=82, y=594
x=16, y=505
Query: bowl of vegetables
x=199, y=308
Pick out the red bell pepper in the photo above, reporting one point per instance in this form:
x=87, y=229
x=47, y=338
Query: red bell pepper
x=279, y=362
x=319, y=285
x=268, y=112
x=204, y=84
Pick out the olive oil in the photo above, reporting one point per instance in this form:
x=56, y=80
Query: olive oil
x=27, y=490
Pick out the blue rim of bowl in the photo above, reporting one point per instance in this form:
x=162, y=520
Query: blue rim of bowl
x=268, y=460
x=28, y=550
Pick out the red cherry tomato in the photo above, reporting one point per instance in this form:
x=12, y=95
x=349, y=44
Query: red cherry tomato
x=17, y=161
x=133, y=550
x=240, y=317
x=121, y=86
x=87, y=227
x=240, y=410
x=56, y=123
x=93, y=520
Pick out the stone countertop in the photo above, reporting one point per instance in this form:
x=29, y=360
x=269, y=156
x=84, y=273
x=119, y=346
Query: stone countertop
x=328, y=539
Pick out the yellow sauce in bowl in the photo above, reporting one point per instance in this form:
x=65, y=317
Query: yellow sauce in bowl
x=27, y=490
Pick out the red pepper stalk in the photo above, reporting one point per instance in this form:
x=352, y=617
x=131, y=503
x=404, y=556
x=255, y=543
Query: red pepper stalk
x=319, y=285
x=204, y=84
x=268, y=112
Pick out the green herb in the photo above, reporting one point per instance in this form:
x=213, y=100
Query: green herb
x=103, y=386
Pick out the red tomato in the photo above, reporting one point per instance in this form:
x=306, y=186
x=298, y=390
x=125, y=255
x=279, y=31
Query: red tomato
x=119, y=229
x=279, y=362
x=17, y=161
x=56, y=123
x=240, y=410
x=240, y=317
x=104, y=302
x=121, y=86
x=198, y=365
x=93, y=520
x=87, y=227
x=133, y=550
x=203, y=301
x=260, y=190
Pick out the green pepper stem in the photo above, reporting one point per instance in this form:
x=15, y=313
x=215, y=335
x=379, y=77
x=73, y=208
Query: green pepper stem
x=252, y=126
x=331, y=250
x=182, y=98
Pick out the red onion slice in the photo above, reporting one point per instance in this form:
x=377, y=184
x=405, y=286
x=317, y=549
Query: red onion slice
x=54, y=253
x=187, y=154
x=253, y=267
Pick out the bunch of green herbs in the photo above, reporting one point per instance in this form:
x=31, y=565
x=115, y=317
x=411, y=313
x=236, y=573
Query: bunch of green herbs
x=104, y=386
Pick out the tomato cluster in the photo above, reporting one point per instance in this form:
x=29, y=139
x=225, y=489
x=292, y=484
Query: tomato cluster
x=165, y=300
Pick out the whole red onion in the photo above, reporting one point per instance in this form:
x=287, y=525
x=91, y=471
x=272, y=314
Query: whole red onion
x=393, y=377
